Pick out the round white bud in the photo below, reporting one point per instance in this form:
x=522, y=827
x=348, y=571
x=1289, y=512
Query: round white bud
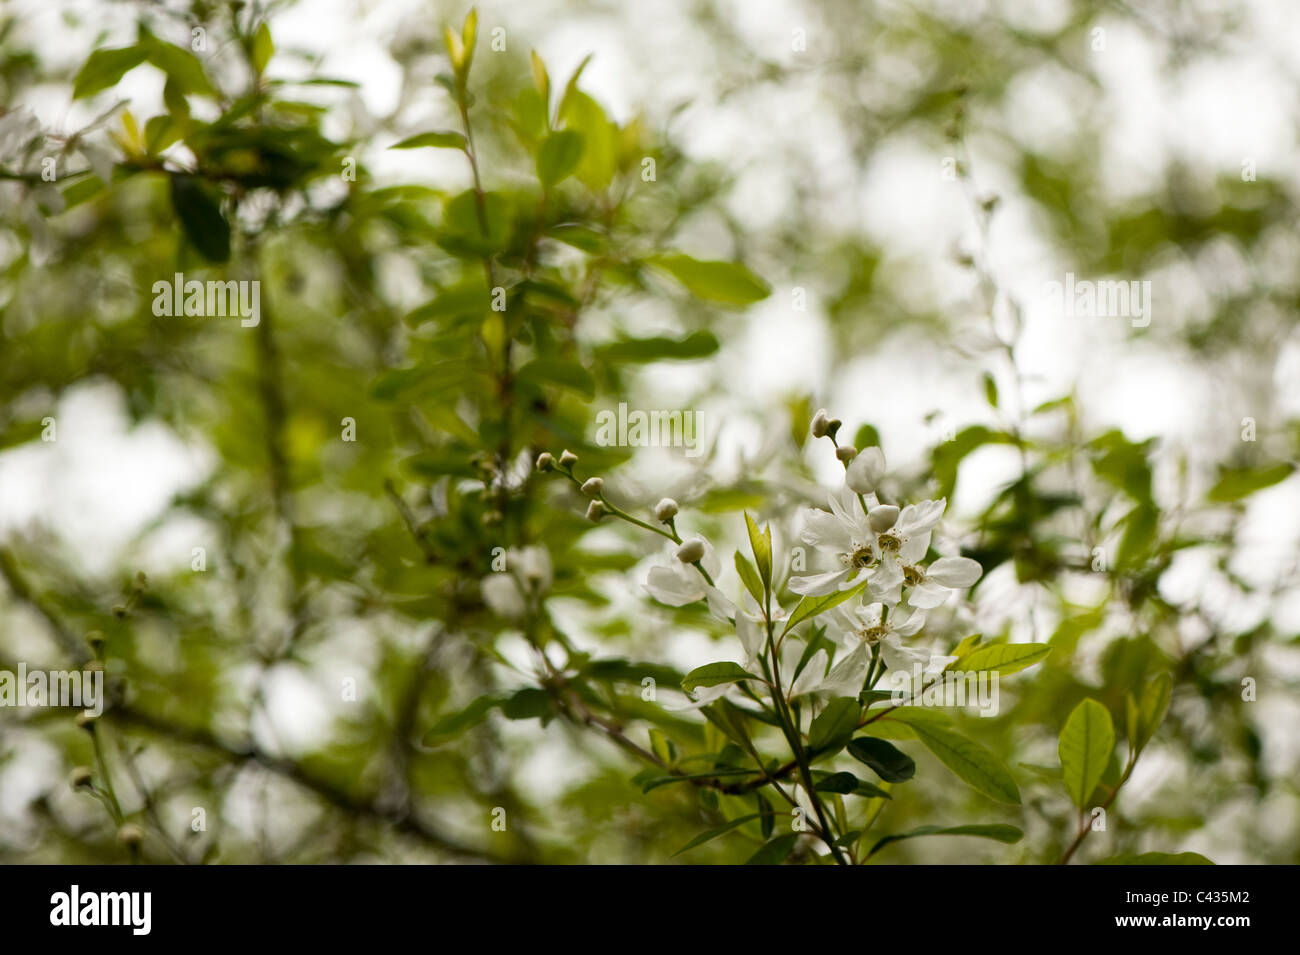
x=690, y=551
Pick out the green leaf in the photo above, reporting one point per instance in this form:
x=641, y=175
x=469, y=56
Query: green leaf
x=767, y=815
x=263, y=47
x=580, y=237
x=528, y=703
x=1151, y=711
x=969, y=760
x=201, y=218
x=714, y=833
x=846, y=784
x=181, y=66
x=582, y=114
x=834, y=726
x=471, y=298
x=1158, y=858
x=438, y=139
x=462, y=720
x=776, y=851
x=809, y=607
x=885, y=759
x=1235, y=484
x=160, y=132
x=558, y=371
x=558, y=156
x=662, y=747
x=990, y=390
x=105, y=68
x=842, y=783
x=761, y=544
x=1085, y=747
x=995, y=831
x=699, y=344
x=749, y=577
x=715, y=674
x=727, y=282
x=1002, y=658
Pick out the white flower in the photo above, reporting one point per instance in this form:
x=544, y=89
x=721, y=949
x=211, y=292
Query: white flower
x=752, y=632
x=502, y=595
x=903, y=545
x=869, y=627
x=845, y=532
x=677, y=584
x=931, y=585
x=866, y=471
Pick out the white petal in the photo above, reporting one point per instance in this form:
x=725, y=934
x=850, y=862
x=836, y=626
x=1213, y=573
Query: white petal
x=887, y=581
x=710, y=560
x=955, y=572
x=810, y=676
x=918, y=518
x=908, y=624
x=927, y=595
x=827, y=532
x=752, y=635
x=703, y=697
x=847, y=676
x=914, y=548
x=819, y=585
x=897, y=656
x=866, y=471
x=501, y=593
x=676, y=590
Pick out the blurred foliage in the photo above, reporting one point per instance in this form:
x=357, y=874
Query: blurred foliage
x=330, y=560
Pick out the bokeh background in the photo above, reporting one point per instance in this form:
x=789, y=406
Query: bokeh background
x=913, y=173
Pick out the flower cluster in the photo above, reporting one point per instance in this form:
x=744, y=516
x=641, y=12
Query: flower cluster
x=879, y=550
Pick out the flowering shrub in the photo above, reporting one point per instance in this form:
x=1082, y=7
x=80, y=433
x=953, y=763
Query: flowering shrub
x=381, y=620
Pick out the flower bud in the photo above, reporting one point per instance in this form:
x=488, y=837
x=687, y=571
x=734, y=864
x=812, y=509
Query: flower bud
x=665, y=510
x=595, y=511
x=130, y=836
x=545, y=461
x=691, y=551
x=866, y=471
x=593, y=486
x=568, y=459
x=819, y=422
x=846, y=452
x=833, y=427
x=882, y=517
x=80, y=778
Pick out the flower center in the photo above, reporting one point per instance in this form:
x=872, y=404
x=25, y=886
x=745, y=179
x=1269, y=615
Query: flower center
x=912, y=576
x=873, y=635
x=861, y=557
x=890, y=542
